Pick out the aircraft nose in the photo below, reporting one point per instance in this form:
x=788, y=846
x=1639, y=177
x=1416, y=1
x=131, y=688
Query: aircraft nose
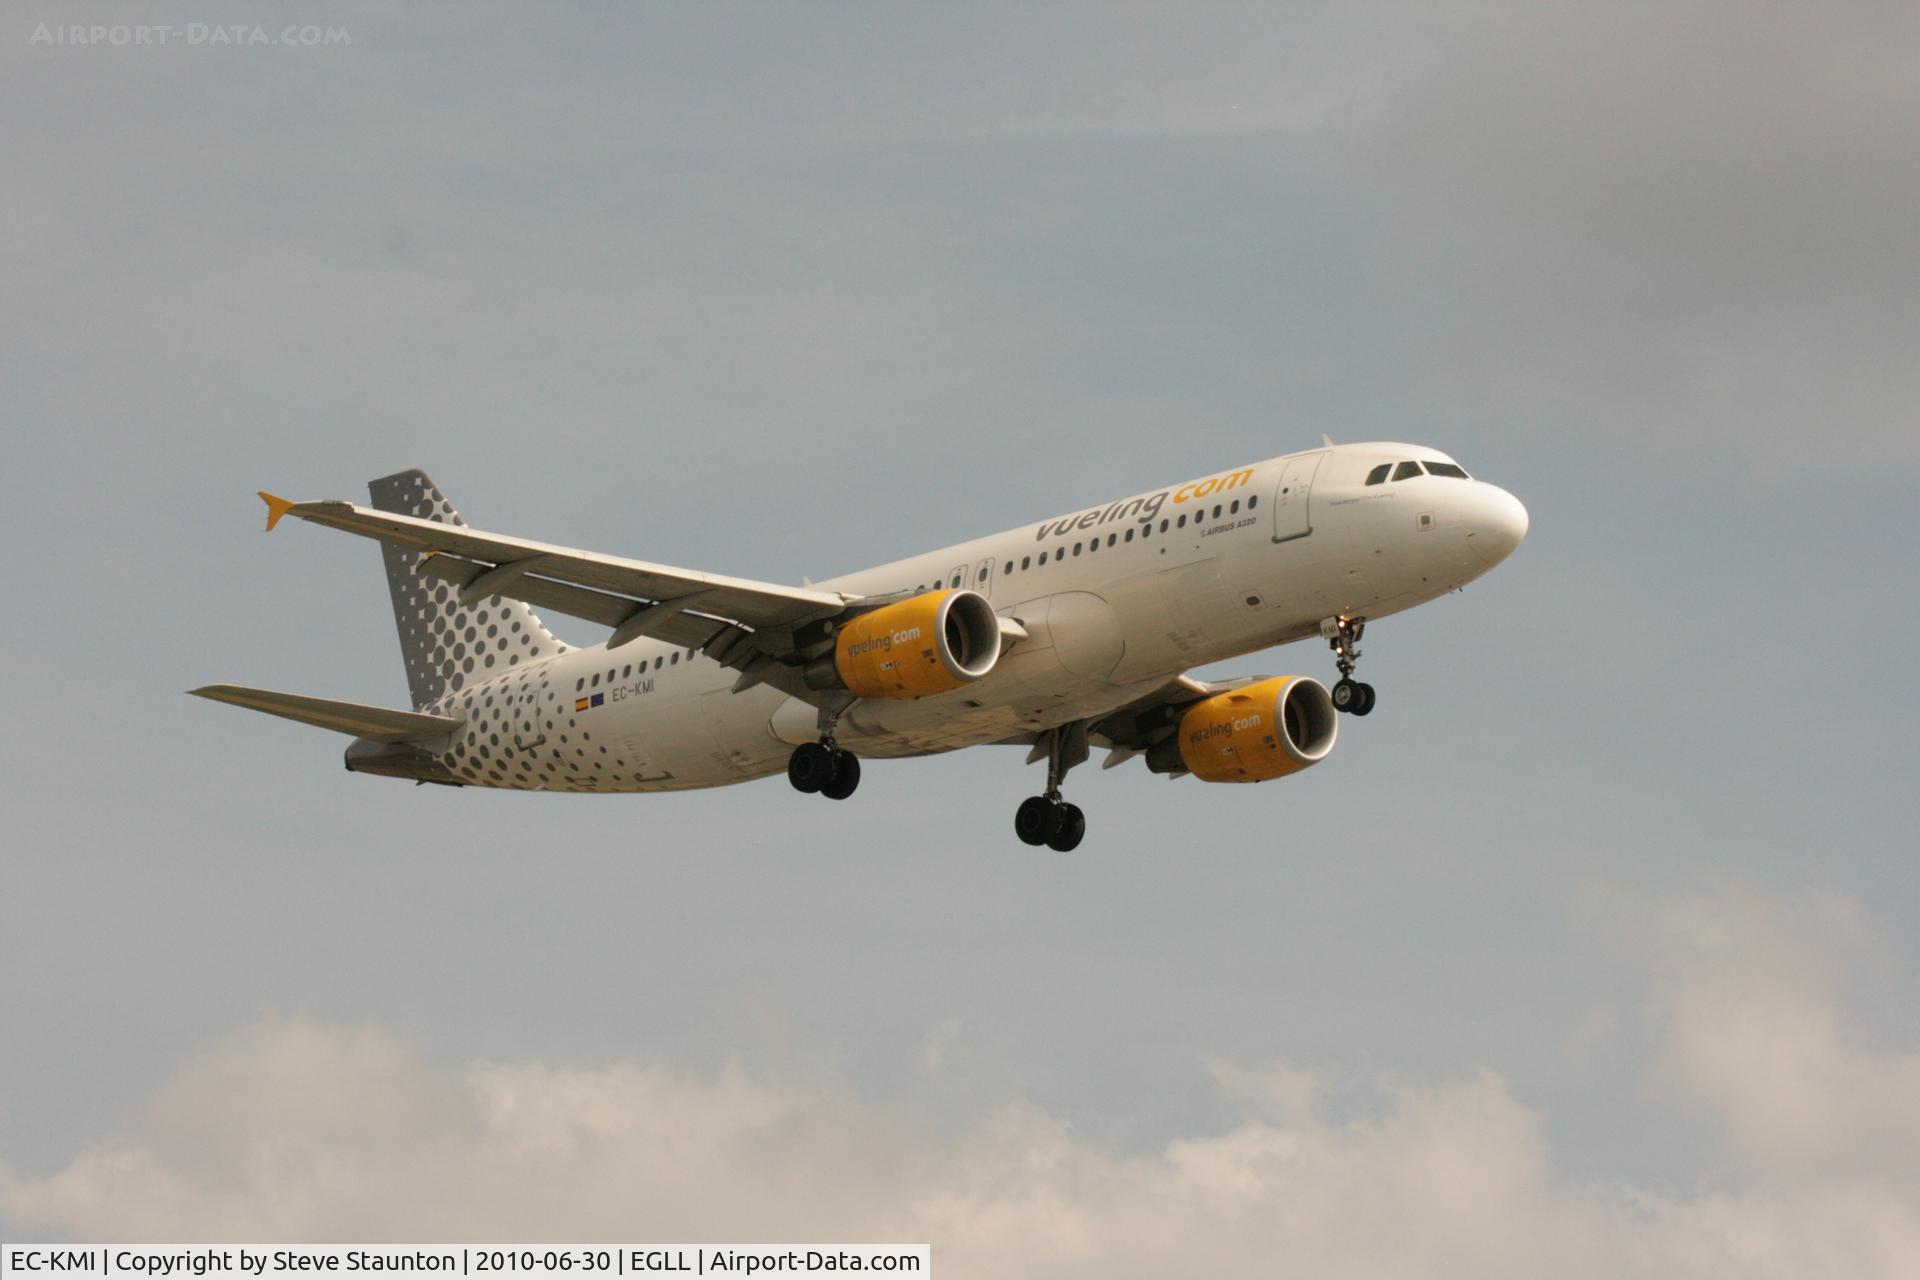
x=1497, y=524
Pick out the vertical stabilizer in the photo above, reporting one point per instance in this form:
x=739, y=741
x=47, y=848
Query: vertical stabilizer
x=446, y=645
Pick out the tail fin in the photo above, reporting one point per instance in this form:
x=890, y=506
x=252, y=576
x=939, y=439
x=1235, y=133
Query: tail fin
x=447, y=644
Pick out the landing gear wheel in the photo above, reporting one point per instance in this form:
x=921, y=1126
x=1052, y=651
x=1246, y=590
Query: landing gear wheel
x=810, y=767
x=846, y=776
x=1046, y=818
x=1038, y=819
x=1073, y=829
x=1355, y=697
x=1343, y=636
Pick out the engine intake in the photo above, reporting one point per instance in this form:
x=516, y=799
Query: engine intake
x=930, y=644
x=1266, y=730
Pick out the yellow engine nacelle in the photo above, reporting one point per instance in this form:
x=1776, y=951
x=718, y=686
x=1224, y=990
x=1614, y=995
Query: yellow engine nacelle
x=914, y=649
x=1265, y=730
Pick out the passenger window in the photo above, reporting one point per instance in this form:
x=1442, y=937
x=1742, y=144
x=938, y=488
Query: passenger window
x=626, y=671
x=1447, y=469
x=1025, y=561
x=956, y=579
x=1043, y=557
x=596, y=679
x=579, y=684
x=1379, y=473
x=1181, y=523
x=1163, y=526
x=1216, y=512
x=675, y=661
x=1406, y=471
x=658, y=663
x=1076, y=548
x=1253, y=502
x=1112, y=538
x=1009, y=568
x=1234, y=510
x=1129, y=535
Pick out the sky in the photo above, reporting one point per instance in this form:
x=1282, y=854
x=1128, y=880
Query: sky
x=1591, y=951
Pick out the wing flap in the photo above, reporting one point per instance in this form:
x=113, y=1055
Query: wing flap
x=378, y=723
x=676, y=627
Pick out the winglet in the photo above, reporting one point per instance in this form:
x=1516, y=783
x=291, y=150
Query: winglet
x=276, y=507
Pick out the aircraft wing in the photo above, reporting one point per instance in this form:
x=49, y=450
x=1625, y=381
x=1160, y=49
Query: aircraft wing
x=743, y=624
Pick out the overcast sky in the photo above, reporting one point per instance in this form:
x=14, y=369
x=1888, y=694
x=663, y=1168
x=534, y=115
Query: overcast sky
x=1593, y=951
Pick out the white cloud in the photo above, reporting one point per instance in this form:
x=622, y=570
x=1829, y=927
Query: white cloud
x=296, y=1130
x=1754, y=1029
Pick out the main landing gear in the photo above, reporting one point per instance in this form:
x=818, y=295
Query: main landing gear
x=1343, y=637
x=1051, y=821
x=1048, y=819
x=824, y=768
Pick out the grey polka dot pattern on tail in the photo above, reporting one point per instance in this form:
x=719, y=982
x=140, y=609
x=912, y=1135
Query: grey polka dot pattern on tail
x=440, y=640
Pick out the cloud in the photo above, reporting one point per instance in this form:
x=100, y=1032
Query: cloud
x=1680, y=222
x=293, y=1129
x=1753, y=1028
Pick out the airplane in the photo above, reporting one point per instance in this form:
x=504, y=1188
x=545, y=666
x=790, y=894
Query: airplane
x=1064, y=635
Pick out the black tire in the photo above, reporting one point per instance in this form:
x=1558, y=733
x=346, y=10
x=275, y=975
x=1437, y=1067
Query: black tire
x=810, y=767
x=1072, y=831
x=1345, y=695
x=1365, y=705
x=846, y=776
x=1037, y=820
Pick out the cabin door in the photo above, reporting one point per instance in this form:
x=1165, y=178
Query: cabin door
x=1291, y=518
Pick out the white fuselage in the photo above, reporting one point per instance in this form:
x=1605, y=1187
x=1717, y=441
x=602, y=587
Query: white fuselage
x=1131, y=594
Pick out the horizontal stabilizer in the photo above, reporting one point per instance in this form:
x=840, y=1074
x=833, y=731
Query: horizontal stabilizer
x=378, y=723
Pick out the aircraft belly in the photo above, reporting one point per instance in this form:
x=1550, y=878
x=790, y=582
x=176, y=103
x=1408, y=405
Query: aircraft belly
x=686, y=737
x=976, y=715
x=736, y=724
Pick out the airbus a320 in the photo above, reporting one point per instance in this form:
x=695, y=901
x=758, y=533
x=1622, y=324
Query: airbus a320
x=1063, y=636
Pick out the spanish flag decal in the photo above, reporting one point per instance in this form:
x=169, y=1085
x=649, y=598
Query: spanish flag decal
x=581, y=704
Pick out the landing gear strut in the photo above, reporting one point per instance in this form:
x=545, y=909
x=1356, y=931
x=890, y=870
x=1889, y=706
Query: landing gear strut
x=1343, y=637
x=1048, y=819
x=823, y=767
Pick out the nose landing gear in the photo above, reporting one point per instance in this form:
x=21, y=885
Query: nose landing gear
x=1048, y=819
x=1343, y=637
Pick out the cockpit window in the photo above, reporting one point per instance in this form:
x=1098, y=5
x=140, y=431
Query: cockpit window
x=1379, y=473
x=1406, y=470
x=1447, y=469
